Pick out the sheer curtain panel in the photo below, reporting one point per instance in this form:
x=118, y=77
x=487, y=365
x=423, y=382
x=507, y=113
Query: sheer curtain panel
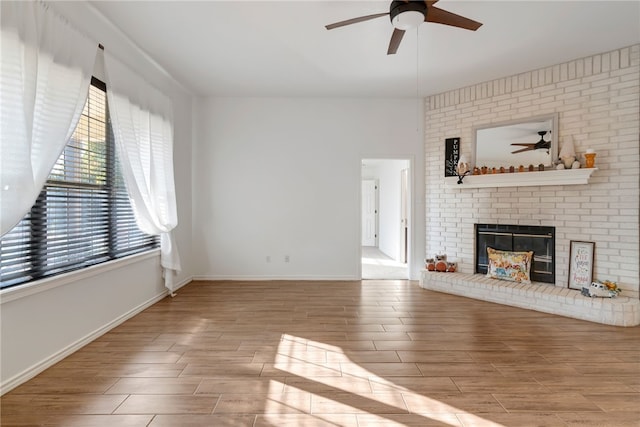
x=142, y=121
x=45, y=70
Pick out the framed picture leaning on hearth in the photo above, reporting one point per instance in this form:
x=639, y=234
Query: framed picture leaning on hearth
x=581, y=255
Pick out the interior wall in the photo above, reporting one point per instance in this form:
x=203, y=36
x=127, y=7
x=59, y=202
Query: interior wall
x=42, y=323
x=281, y=177
x=598, y=103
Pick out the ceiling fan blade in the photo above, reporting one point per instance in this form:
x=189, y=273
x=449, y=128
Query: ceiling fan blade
x=440, y=16
x=355, y=20
x=523, y=144
x=522, y=150
x=394, y=43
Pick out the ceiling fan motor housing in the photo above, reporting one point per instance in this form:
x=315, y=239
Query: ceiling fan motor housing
x=407, y=14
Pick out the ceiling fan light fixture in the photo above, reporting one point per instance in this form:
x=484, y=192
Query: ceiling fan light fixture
x=407, y=20
x=406, y=15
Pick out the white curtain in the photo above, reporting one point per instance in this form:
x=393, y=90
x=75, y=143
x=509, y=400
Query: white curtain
x=45, y=71
x=142, y=121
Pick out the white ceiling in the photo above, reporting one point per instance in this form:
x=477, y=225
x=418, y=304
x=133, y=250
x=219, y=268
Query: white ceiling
x=281, y=48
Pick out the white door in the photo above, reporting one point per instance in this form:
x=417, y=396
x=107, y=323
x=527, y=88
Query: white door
x=404, y=215
x=369, y=212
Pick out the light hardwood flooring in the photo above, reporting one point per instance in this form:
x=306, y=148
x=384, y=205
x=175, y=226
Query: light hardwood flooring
x=370, y=353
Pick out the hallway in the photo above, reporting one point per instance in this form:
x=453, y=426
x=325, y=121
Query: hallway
x=377, y=265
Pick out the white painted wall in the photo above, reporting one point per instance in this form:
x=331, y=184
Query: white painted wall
x=39, y=328
x=276, y=177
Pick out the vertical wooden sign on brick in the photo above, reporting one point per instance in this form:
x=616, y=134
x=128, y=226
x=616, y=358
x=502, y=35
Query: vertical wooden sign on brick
x=451, y=156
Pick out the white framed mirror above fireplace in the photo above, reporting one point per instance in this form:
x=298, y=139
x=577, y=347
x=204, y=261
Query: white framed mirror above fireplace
x=522, y=142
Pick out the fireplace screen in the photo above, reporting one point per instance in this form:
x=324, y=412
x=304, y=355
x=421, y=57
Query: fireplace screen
x=540, y=240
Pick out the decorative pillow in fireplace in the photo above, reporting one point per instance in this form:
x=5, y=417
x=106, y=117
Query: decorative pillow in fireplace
x=512, y=266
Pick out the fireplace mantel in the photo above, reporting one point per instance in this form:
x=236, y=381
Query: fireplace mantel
x=523, y=179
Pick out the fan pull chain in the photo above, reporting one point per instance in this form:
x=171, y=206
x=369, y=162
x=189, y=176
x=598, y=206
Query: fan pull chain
x=417, y=81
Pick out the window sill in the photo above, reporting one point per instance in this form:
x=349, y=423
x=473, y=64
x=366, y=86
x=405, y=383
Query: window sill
x=49, y=283
x=523, y=179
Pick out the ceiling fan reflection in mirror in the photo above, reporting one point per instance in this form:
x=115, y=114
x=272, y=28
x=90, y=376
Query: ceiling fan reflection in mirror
x=540, y=145
x=405, y=14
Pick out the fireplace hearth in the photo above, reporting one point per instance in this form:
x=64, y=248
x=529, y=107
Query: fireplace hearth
x=539, y=239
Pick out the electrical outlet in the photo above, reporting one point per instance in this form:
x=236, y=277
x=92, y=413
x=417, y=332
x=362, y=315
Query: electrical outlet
x=286, y=258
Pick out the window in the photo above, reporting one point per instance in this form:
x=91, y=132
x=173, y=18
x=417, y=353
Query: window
x=82, y=216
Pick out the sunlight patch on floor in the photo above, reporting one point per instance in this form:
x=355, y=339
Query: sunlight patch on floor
x=387, y=262
x=304, y=363
x=376, y=265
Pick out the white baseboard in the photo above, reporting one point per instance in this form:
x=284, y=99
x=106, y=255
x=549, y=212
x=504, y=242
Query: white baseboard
x=182, y=283
x=34, y=370
x=266, y=278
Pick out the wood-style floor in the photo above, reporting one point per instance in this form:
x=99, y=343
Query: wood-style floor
x=368, y=353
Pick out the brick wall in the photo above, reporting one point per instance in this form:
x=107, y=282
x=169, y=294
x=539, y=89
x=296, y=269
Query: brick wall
x=597, y=100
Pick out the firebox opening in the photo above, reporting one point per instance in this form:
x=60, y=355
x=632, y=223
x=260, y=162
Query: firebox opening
x=539, y=239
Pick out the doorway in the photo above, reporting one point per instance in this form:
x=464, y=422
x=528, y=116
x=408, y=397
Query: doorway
x=385, y=219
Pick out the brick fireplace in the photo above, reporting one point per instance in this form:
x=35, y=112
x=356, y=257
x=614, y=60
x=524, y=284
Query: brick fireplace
x=596, y=99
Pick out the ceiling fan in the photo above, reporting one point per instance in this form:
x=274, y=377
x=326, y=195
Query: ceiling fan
x=406, y=14
x=540, y=145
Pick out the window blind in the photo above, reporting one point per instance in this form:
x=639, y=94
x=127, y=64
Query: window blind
x=82, y=216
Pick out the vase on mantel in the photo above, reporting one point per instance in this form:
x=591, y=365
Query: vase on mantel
x=590, y=158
